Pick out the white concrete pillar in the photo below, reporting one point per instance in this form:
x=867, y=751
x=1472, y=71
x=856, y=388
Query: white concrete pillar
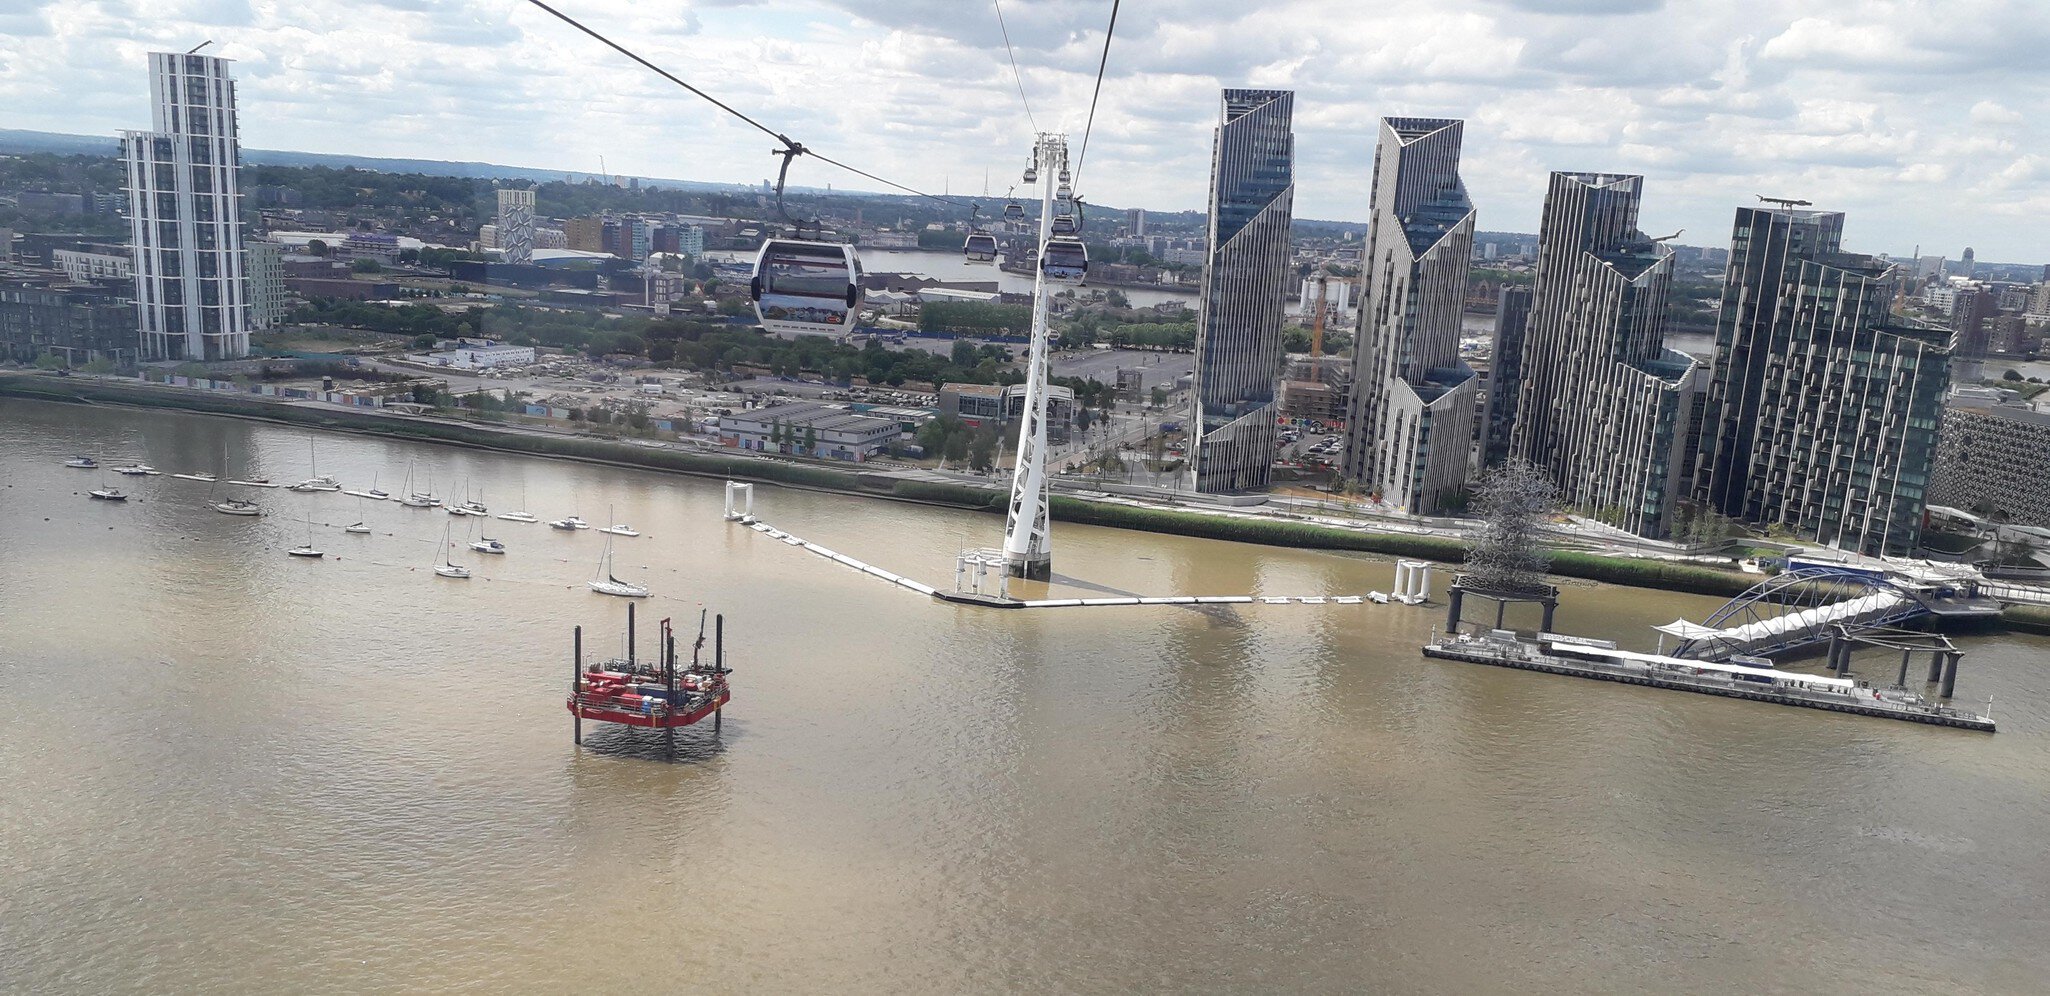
x=1402, y=579
x=1423, y=584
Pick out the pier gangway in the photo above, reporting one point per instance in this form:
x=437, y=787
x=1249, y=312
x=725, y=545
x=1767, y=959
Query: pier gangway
x=1804, y=607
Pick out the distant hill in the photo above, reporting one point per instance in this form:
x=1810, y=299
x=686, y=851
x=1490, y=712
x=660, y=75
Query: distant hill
x=13, y=140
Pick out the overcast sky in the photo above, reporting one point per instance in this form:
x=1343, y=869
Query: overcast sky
x=1925, y=121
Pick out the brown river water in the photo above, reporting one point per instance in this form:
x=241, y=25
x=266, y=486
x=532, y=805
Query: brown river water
x=222, y=769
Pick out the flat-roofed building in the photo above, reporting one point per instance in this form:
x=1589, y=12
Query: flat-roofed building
x=808, y=429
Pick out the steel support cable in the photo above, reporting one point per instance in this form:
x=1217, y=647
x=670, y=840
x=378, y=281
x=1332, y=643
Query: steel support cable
x=1090, y=124
x=1016, y=75
x=790, y=148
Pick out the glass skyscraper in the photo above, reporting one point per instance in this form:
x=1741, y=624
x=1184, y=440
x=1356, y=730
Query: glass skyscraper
x=1238, y=326
x=1410, y=425
x=1822, y=413
x=1603, y=405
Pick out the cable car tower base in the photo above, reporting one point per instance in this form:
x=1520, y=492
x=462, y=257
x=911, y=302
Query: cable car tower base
x=1028, y=544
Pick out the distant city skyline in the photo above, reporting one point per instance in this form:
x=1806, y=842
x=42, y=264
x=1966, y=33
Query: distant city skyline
x=1914, y=126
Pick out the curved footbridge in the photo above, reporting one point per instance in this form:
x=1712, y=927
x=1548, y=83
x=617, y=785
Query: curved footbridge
x=1814, y=605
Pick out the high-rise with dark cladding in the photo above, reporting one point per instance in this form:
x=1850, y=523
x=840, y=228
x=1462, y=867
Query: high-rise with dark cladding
x=1603, y=405
x=1821, y=417
x=1238, y=325
x=1410, y=423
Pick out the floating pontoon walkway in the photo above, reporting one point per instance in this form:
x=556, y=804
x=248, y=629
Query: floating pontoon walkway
x=972, y=598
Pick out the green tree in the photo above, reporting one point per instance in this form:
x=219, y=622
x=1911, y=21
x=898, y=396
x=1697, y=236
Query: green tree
x=1159, y=397
x=811, y=441
x=316, y=247
x=366, y=265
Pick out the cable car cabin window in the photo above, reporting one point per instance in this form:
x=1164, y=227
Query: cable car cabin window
x=805, y=276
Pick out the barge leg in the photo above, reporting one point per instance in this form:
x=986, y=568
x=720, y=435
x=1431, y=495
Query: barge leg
x=577, y=674
x=629, y=635
x=1936, y=666
x=1950, y=674
x=1902, y=682
x=1453, y=600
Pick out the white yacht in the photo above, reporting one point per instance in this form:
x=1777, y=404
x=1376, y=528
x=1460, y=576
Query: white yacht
x=319, y=481
x=571, y=522
x=447, y=567
x=620, y=529
x=605, y=584
x=486, y=544
x=522, y=515
x=137, y=470
x=236, y=506
x=107, y=494
x=358, y=528
x=82, y=463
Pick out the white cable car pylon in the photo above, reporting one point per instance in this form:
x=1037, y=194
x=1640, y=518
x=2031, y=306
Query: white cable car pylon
x=1028, y=542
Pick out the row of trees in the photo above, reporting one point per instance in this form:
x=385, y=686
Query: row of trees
x=954, y=441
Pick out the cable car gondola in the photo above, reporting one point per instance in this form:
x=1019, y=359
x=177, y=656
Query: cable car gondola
x=806, y=287
x=1065, y=261
x=981, y=248
x=1014, y=211
x=1064, y=224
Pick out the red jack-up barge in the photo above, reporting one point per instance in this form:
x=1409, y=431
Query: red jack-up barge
x=654, y=694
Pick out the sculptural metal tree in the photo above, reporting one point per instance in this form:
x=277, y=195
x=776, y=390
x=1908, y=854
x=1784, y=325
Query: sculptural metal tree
x=1509, y=556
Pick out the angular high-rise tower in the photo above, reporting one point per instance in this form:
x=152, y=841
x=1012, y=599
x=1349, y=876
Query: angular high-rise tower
x=1245, y=277
x=1822, y=413
x=185, y=214
x=516, y=225
x=1603, y=406
x=1410, y=426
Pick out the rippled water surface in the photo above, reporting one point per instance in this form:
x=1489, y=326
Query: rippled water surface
x=231, y=771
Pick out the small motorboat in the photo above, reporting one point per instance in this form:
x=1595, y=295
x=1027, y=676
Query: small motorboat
x=377, y=494
x=620, y=529
x=570, y=523
x=488, y=545
x=82, y=463
x=236, y=506
x=357, y=528
x=136, y=470
x=107, y=494
x=317, y=484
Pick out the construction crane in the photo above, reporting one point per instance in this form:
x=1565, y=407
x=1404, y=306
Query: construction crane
x=1785, y=202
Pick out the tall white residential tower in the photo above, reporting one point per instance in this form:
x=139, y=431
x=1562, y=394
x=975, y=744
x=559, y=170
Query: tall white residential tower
x=185, y=214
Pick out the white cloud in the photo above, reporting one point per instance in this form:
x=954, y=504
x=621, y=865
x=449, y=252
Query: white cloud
x=1921, y=123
